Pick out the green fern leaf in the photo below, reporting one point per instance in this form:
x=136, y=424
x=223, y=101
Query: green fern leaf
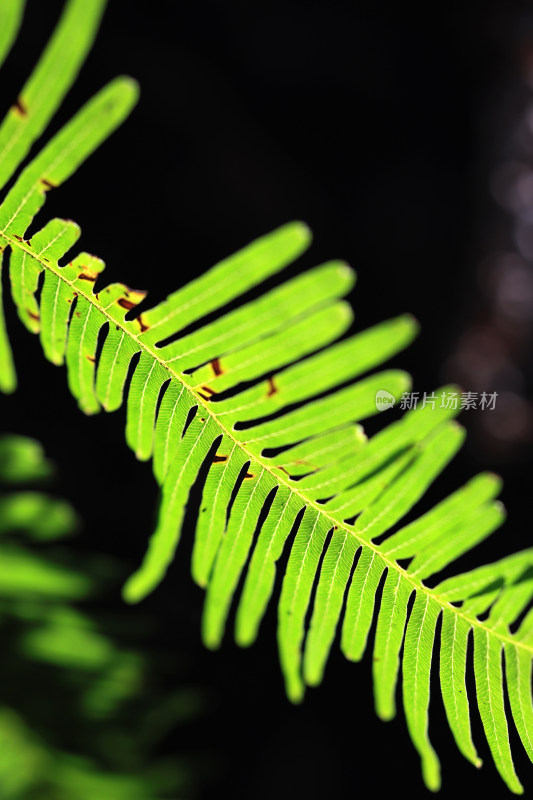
x=270, y=402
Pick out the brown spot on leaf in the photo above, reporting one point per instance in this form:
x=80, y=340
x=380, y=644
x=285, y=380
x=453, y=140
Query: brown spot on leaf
x=92, y=359
x=20, y=107
x=33, y=315
x=16, y=236
x=215, y=366
x=205, y=392
x=47, y=184
x=127, y=304
x=143, y=325
x=272, y=388
x=138, y=294
x=87, y=276
x=249, y=475
x=219, y=459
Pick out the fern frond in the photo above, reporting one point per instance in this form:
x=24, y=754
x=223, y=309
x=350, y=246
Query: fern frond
x=267, y=399
x=29, y=117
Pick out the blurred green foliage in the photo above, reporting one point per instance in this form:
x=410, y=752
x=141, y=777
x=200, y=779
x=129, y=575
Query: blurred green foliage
x=82, y=714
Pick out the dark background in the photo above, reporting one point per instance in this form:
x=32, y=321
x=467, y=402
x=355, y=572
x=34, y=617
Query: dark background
x=380, y=125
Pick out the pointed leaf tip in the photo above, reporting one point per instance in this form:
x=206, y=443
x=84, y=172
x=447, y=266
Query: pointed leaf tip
x=130, y=87
x=411, y=323
x=302, y=229
x=135, y=589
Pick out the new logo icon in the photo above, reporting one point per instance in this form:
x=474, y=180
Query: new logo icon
x=384, y=400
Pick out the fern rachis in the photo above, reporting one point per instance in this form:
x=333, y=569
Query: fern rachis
x=267, y=394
